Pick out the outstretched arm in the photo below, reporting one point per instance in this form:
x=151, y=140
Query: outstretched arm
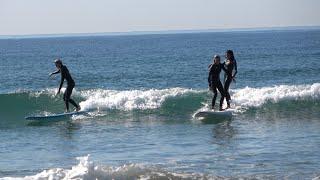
x=56, y=72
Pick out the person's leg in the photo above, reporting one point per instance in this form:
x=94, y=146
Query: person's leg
x=74, y=103
x=222, y=92
x=71, y=100
x=226, y=89
x=213, y=102
x=66, y=98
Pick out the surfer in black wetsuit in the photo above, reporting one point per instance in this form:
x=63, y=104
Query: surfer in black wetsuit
x=230, y=64
x=65, y=75
x=214, y=80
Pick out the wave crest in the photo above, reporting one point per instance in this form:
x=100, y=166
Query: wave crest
x=256, y=97
x=129, y=100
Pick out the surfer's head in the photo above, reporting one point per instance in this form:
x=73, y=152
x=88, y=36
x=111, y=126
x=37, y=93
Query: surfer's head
x=229, y=55
x=216, y=59
x=58, y=63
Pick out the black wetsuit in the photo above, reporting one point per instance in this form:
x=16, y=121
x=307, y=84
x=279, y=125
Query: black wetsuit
x=215, y=83
x=228, y=77
x=70, y=85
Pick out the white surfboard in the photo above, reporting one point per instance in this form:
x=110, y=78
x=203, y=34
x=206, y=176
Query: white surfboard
x=55, y=116
x=212, y=113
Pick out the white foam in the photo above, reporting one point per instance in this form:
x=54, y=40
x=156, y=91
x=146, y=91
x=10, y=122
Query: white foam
x=255, y=97
x=128, y=100
x=86, y=169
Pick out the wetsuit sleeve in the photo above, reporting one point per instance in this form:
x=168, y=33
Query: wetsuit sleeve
x=235, y=68
x=56, y=72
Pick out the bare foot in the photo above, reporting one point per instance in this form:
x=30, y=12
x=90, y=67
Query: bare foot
x=78, y=108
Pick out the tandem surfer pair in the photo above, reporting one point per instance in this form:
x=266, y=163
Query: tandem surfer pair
x=215, y=84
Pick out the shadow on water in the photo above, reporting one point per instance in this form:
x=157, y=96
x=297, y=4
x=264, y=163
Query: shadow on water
x=223, y=132
x=66, y=126
x=69, y=128
x=47, y=122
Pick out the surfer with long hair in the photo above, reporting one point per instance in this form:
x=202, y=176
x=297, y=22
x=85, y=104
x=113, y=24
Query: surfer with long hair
x=230, y=65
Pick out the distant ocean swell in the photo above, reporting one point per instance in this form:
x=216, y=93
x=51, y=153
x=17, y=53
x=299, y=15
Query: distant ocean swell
x=180, y=100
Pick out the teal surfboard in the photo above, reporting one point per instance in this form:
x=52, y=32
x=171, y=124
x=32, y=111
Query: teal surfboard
x=55, y=116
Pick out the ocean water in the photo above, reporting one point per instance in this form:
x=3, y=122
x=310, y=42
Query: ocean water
x=142, y=93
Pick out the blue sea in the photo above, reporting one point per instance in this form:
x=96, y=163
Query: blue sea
x=142, y=92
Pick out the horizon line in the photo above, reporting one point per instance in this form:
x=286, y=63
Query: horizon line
x=159, y=32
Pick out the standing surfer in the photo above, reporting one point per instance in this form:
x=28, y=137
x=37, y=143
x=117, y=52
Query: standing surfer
x=63, y=70
x=230, y=64
x=214, y=80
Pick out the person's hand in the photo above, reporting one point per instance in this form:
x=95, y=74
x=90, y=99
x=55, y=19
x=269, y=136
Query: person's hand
x=233, y=78
x=50, y=75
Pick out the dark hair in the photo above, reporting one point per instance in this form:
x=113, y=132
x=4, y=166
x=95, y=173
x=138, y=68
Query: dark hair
x=230, y=52
x=58, y=61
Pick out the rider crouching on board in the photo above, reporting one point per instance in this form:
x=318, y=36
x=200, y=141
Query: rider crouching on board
x=63, y=70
